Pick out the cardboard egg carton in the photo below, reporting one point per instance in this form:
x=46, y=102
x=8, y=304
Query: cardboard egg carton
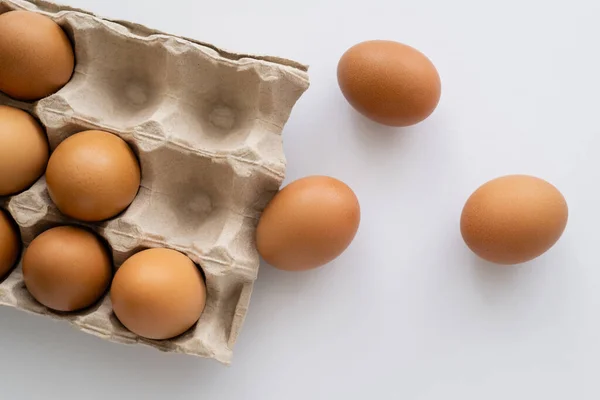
x=206, y=126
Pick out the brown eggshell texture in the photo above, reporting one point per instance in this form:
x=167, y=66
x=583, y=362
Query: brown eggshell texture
x=513, y=219
x=308, y=223
x=67, y=268
x=10, y=243
x=36, y=56
x=158, y=294
x=93, y=176
x=23, y=150
x=389, y=82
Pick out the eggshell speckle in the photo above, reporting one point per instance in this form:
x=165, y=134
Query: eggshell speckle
x=67, y=268
x=93, y=176
x=23, y=150
x=308, y=223
x=36, y=56
x=513, y=219
x=158, y=293
x=10, y=243
x=389, y=82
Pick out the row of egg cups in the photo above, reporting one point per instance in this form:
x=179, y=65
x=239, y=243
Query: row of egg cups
x=69, y=268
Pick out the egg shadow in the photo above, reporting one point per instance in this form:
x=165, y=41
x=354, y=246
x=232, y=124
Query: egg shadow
x=382, y=143
x=271, y=279
x=374, y=134
x=490, y=273
x=498, y=281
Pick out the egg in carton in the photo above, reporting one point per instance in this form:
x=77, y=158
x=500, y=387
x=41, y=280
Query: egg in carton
x=206, y=127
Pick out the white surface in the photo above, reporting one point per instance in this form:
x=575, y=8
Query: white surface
x=407, y=312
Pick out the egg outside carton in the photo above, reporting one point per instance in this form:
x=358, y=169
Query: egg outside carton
x=206, y=126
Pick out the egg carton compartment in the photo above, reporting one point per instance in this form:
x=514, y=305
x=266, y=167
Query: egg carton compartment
x=206, y=127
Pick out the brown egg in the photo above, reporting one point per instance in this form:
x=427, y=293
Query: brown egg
x=308, y=223
x=513, y=219
x=389, y=82
x=158, y=294
x=23, y=150
x=36, y=56
x=67, y=268
x=10, y=243
x=93, y=176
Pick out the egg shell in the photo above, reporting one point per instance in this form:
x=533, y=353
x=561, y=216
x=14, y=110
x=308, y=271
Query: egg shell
x=23, y=150
x=308, y=223
x=389, y=82
x=67, y=268
x=36, y=56
x=93, y=176
x=10, y=243
x=158, y=293
x=513, y=219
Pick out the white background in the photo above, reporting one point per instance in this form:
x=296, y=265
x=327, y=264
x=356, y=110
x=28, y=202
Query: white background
x=407, y=312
